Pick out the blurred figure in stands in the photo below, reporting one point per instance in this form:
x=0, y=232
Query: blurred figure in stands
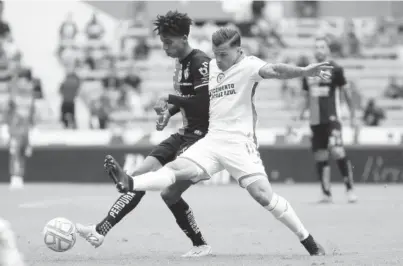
x=393, y=90
x=351, y=41
x=69, y=90
x=68, y=29
x=94, y=29
x=131, y=92
x=141, y=50
x=5, y=32
x=373, y=114
x=21, y=116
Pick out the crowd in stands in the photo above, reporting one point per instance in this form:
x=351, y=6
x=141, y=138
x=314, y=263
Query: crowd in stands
x=113, y=91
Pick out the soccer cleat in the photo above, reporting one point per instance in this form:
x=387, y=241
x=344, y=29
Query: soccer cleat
x=16, y=183
x=325, y=199
x=198, y=251
x=351, y=196
x=123, y=182
x=314, y=248
x=90, y=234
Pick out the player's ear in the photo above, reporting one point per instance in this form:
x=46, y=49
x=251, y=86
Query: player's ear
x=185, y=38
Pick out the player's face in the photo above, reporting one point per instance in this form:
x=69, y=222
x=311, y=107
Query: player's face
x=321, y=50
x=173, y=45
x=226, y=56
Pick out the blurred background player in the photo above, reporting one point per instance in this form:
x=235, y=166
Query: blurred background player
x=191, y=85
x=9, y=254
x=20, y=121
x=322, y=98
x=231, y=142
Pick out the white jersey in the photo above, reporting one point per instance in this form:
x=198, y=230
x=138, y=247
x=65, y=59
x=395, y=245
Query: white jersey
x=232, y=108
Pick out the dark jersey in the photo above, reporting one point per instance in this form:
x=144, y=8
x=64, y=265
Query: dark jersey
x=324, y=96
x=190, y=80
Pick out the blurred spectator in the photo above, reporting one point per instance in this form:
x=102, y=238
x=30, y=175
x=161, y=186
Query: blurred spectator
x=393, y=90
x=131, y=92
x=5, y=32
x=68, y=29
x=373, y=114
x=141, y=50
x=101, y=108
x=351, y=41
x=69, y=90
x=94, y=29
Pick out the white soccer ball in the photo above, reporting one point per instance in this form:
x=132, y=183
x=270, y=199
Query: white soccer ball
x=59, y=234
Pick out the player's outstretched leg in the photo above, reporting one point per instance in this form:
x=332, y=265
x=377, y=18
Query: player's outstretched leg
x=171, y=195
x=128, y=201
x=9, y=254
x=185, y=218
x=346, y=171
x=323, y=170
x=281, y=209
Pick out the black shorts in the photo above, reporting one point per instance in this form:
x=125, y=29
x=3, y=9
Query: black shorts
x=325, y=136
x=172, y=147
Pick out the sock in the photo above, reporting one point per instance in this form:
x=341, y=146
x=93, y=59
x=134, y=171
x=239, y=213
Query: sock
x=125, y=204
x=282, y=211
x=186, y=221
x=323, y=169
x=346, y=171
x=152, y=181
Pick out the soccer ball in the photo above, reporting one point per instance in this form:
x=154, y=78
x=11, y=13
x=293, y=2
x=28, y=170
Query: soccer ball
x=59, y=234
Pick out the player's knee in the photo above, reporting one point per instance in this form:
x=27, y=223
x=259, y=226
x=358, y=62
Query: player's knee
x=261, y=191
x=171, y=195
x=321, y=155
x=338, y=152
x=186, y=170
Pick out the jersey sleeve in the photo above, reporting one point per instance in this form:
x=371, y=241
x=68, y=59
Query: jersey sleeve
x=255, y=65
x=339, y=78
x=200, y=72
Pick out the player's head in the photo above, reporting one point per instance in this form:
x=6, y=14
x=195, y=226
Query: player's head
x=322, y=50
x=173, y=29
x=226, y=47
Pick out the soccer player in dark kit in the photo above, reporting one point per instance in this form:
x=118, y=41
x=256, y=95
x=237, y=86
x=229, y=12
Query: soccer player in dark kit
x=192, y=100
x=322, y=98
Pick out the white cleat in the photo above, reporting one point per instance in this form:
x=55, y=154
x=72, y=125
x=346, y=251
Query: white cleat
x=351, y=197
x=16, y=183
x=198, y=251
x=325, y=199
x=90, y=234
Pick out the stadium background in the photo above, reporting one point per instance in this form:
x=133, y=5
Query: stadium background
x=366, y=38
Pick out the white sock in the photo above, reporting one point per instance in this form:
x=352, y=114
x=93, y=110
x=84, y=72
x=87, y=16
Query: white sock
x=282, y=210
x=154, y=181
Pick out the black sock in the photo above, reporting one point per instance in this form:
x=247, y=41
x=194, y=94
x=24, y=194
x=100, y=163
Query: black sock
x=186, y=221
x=125, y=204
x=346, y=171
x=324, y=176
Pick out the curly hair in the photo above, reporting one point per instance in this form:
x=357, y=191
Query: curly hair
x=173, y=23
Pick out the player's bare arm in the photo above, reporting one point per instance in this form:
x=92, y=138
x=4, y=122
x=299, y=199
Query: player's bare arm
x=286, y=71
x=349, y=100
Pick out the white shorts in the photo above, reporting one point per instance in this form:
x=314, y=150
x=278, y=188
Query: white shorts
x=240, y=157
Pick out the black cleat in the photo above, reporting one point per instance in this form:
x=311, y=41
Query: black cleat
x=123, y=182
x=314, y=248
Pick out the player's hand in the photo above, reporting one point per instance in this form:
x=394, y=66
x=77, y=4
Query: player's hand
x=321, y=70
x=161, y=105
x=163, y=120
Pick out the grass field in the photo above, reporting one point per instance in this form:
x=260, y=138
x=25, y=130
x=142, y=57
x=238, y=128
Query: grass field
x=240, y=231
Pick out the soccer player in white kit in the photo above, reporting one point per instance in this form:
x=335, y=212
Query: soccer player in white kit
x=231, y=143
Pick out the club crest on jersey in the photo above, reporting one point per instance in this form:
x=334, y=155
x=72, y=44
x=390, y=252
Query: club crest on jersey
x=186, y=73
x=179, y=77
x=220, y=77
